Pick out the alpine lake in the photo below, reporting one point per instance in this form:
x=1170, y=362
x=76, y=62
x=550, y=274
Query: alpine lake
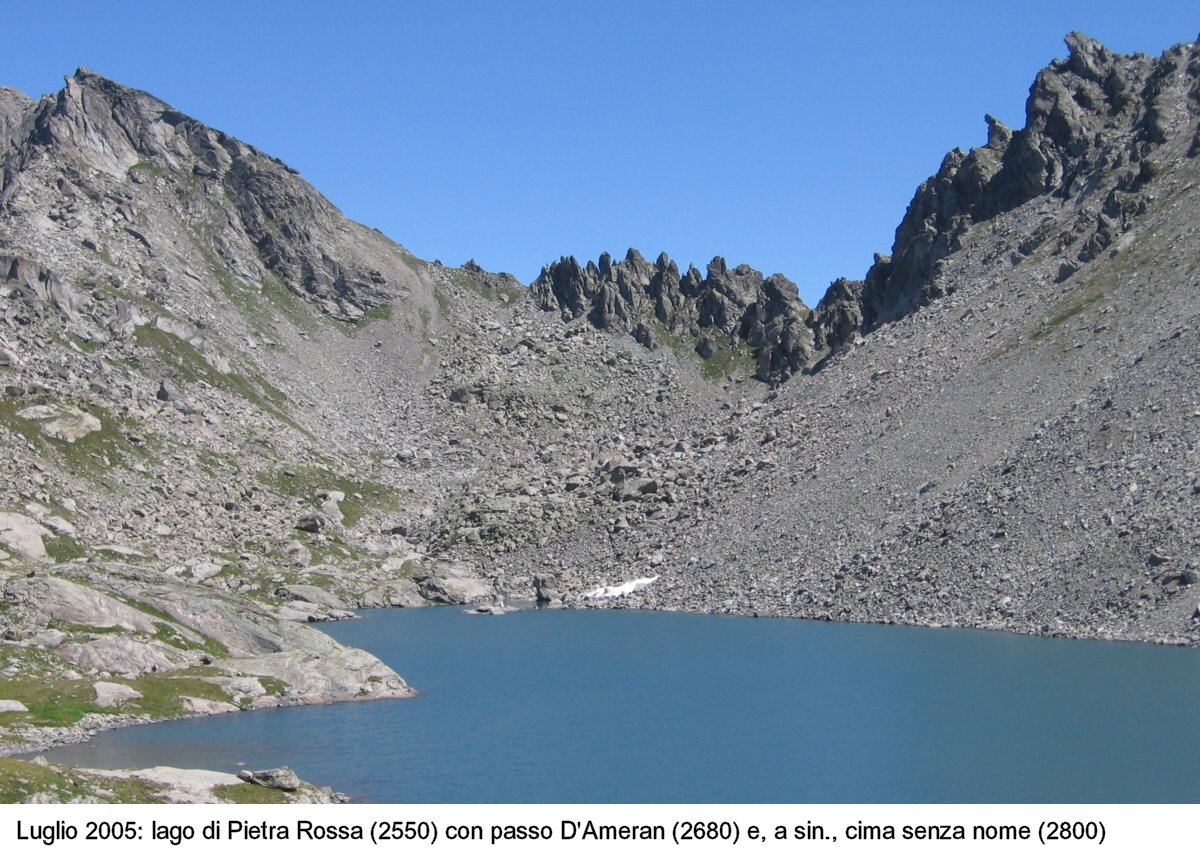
x=622, y=706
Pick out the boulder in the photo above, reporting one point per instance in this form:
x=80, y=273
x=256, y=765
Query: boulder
x=284, y=779
x=331, y=500
x=22, y=536
x=344, y=673
x=453, y=586
x=309, y=593
x=109, y=694
x=313, y=523
x=204, y=706
x=546, y=588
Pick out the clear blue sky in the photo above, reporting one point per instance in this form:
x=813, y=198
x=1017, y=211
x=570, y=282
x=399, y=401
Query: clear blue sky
x=789, y=136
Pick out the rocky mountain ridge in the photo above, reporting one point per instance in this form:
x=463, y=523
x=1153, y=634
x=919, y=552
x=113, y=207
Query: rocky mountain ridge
x=229, y=411
x=1092, y=120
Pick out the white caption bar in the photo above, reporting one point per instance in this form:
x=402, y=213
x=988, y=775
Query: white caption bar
x=475, y=828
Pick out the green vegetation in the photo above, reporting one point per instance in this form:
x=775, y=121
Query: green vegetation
x=288, y=305
x=190, y=365
x=412, y=260
x=51, y=702
x=64, y=549
x=147, y=167
x=167, y=630
x=92, y=455
x=325, y=548
x=56, y=702
x=161, y=692
x=1070, y=307
x=84, y=344
x=444, y=300
x=728, y=361
x=249, y=300
x=249, y=793
x=271, y=685
x=362, y=496
x=379, y=312
x=1094, y=290
x=21, y=779
x=501, y=293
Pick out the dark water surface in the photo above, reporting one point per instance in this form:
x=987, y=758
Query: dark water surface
x=627, y=706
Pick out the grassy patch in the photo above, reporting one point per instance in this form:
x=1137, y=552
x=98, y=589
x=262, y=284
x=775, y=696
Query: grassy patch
x=412, y=260
x=444, y=300
x=502, y=294
x=362, y=496
x=324, y=548
x=62, y=702
x=93, y=455
x=257, y=306
x=288, y=305
x=728, y=361
x=147, y=167
x=21, y=779
x=84, y=344
x=248, y=793
x=64, y=549
x=1068, y=308
x=161, y=692
x=52, y=702
x=168, y=629
x=379, y=312
x=190, y=365
x=371, y=315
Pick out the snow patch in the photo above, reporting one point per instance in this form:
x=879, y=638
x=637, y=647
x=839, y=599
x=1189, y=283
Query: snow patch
x=618, y=590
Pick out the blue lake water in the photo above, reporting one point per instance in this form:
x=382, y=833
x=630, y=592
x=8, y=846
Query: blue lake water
x=628, y=706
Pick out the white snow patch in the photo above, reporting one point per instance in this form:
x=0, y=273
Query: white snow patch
x=618, y=590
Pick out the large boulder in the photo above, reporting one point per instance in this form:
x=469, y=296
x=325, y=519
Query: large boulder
x=453, y=585
x=109, y=694
x=22, y=536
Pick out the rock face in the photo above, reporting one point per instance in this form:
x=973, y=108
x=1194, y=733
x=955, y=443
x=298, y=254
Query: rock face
x=1092, y=116
x=121, y=624
x=738, y=306
x=294, y=231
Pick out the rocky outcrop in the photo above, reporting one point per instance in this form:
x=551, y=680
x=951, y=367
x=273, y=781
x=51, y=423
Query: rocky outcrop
x=1091, y=121
x=733, y=306
x=39, y=286
x=294, y=232
x=102, y=630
